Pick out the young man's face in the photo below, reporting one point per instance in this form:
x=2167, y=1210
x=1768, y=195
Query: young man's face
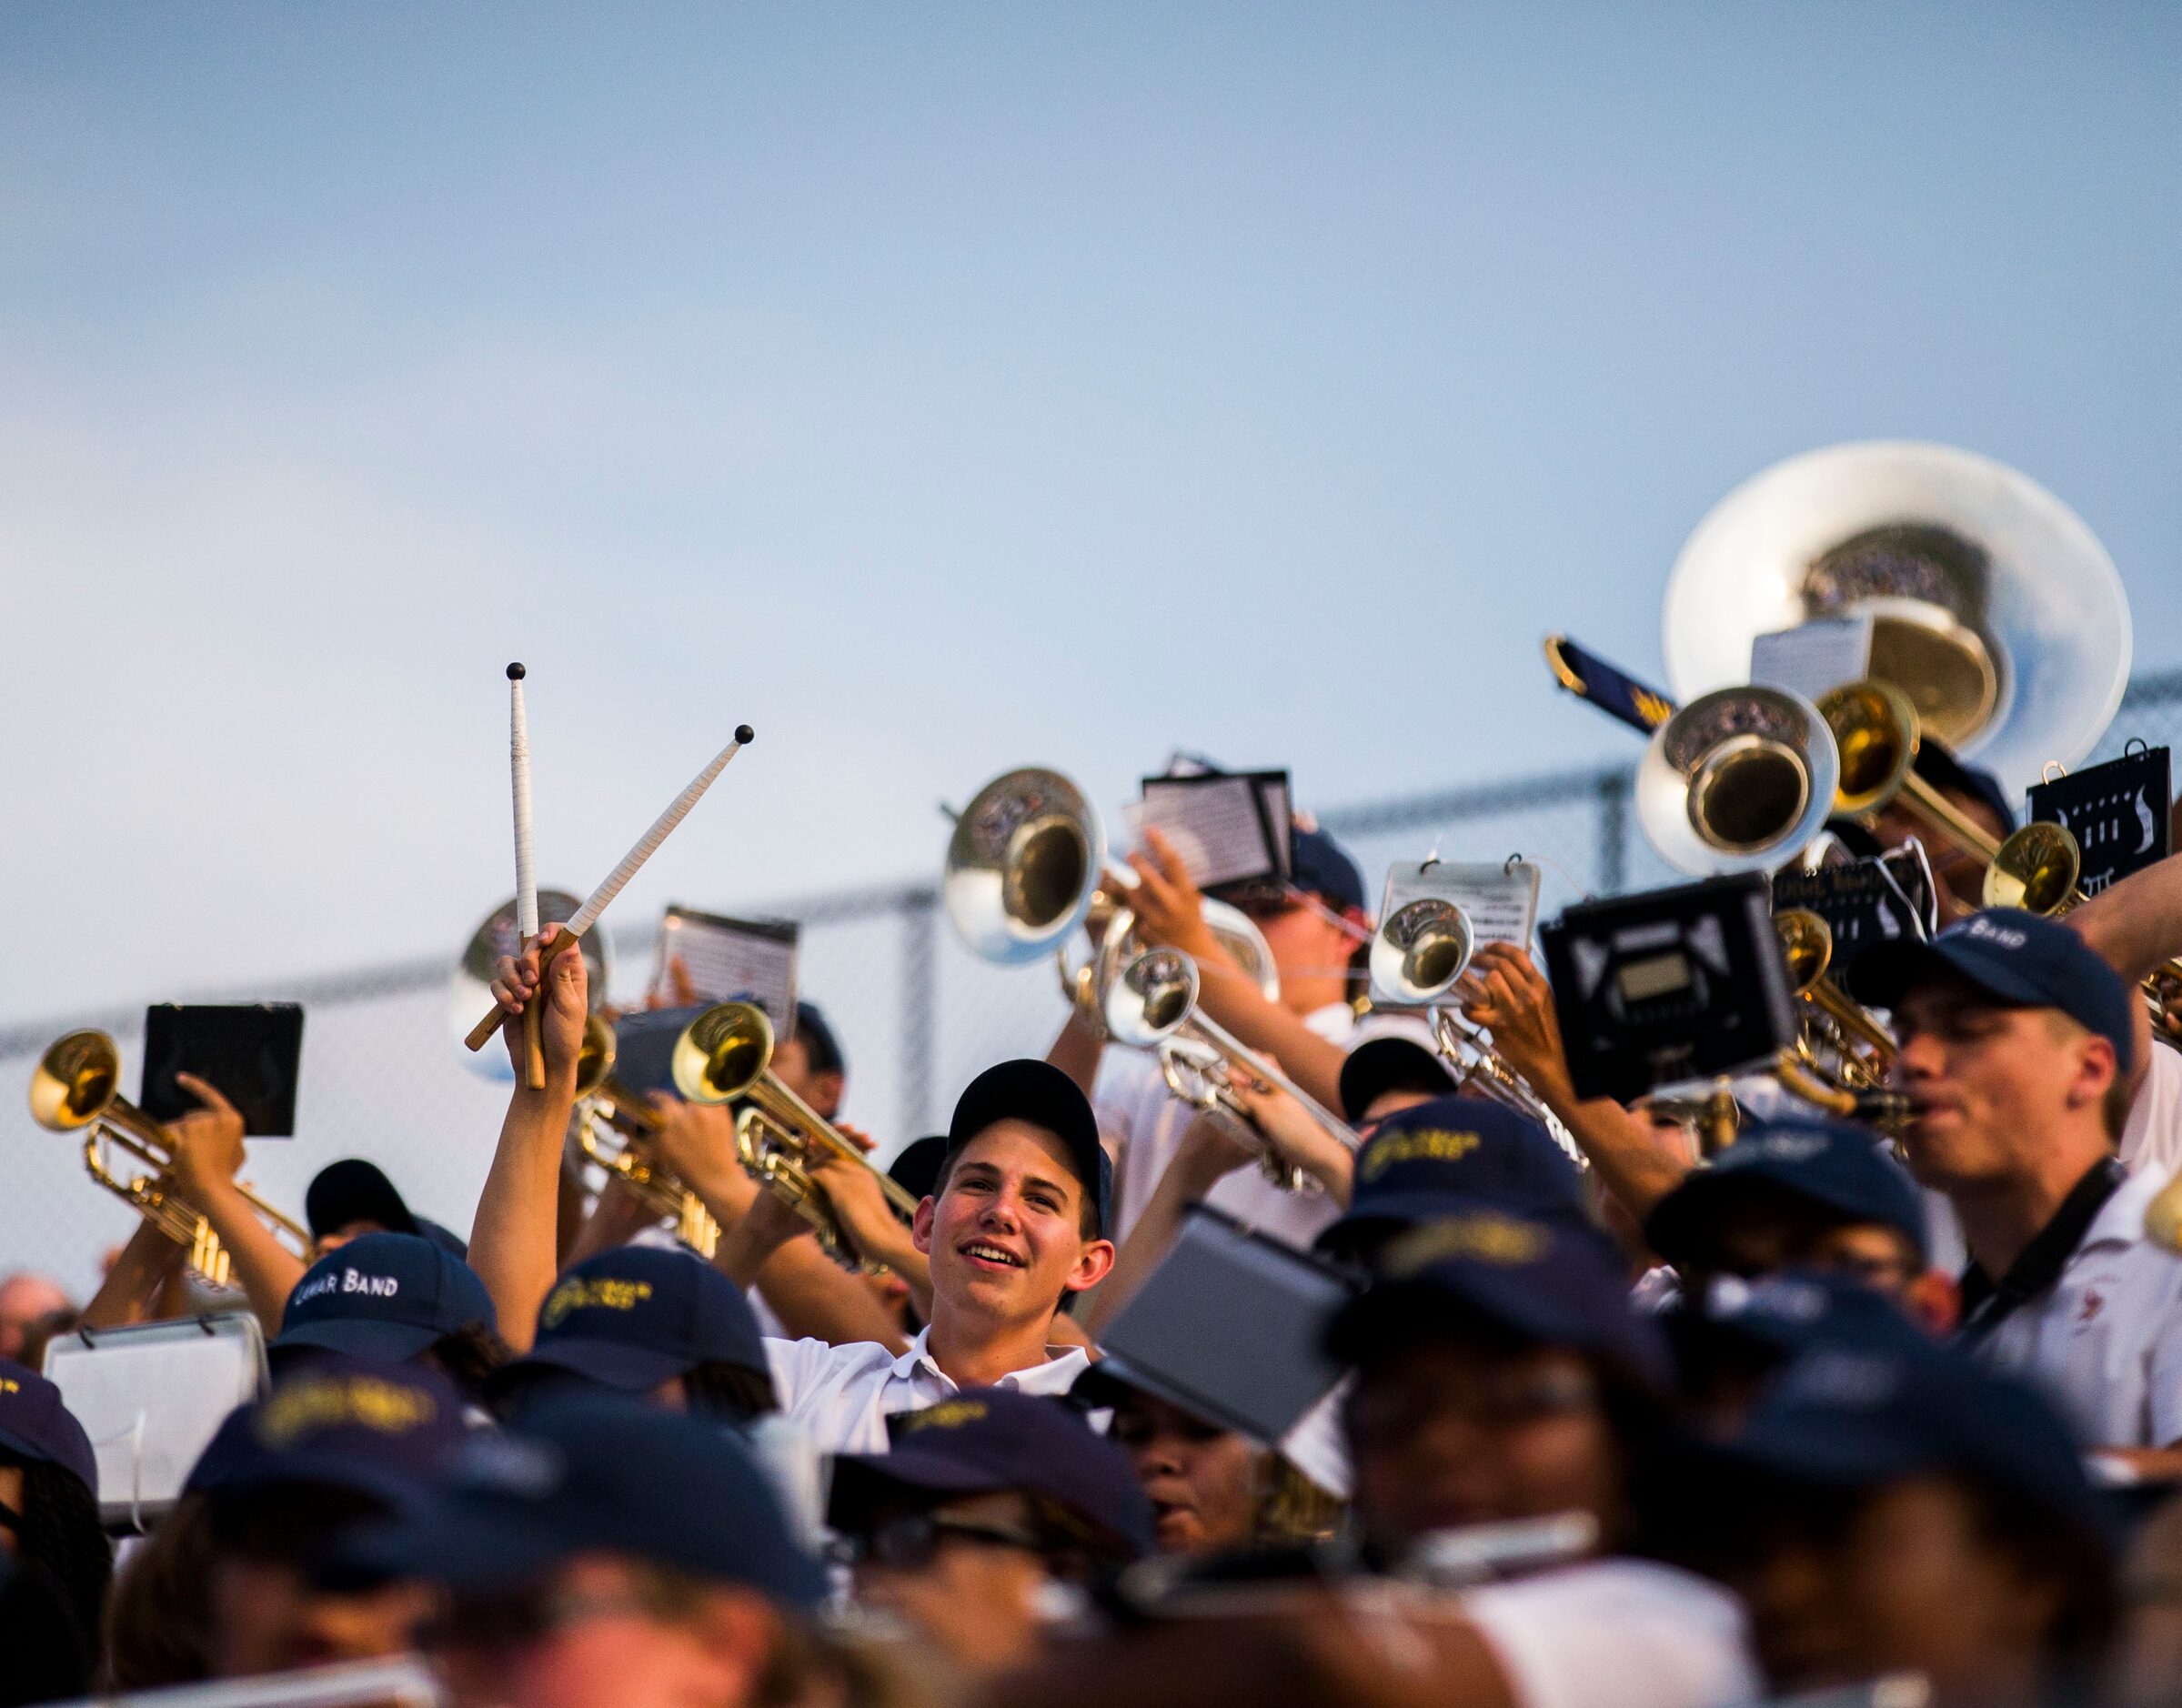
x=792, y=1065
x=1765, y=1231
x=972, y=1590
x=1005, y=1235
x=1310, y=950
x=1989, y=1087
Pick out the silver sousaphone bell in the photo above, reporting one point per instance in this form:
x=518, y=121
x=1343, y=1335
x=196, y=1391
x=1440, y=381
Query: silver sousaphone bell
x=469, y=988
x=1738, y=780
x=1994, y=609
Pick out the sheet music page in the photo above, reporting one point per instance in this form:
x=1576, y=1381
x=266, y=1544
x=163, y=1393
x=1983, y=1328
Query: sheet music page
x=1812, y=657
x=740, y=960
x=1502, y=900
x=1272, y=800
x=1213, y=823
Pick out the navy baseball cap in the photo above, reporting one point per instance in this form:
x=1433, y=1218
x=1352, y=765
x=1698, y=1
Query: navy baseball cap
x=37, y=1428
x=352, y=1190
x=1388, y=1063
x=1039, y=1093
x=602, y=1473
x=1942, y=769
x=384, y=1296
x=1835, y=1166
x=1326, y=869
x=2013, y=957
x=1847, y=1418
x=1443, y=1157
x=985, y=1440
x=636, y=1316
x=384, y=1431
x=916, y=1166
x=1537, y=1281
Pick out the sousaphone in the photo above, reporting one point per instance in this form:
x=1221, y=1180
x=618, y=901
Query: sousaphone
x=1994, y=609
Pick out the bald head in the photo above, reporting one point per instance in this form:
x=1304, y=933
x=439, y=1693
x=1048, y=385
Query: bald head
x=25, y=1300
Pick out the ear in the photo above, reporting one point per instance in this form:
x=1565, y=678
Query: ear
x=740, y=1635
x=2095, y=1066
x=1093, y=1265
x=920, y=1225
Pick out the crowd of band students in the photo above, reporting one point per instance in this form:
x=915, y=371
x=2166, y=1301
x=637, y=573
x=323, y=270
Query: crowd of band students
x=1806, y=1416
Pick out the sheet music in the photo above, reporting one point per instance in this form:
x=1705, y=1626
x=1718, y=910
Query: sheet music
x=1812, y=657
x=740, y=960
x=1272, y=801
x=1214, y=823
x=1501, y=899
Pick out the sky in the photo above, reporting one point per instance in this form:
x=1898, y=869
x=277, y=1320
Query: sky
x=944, y=388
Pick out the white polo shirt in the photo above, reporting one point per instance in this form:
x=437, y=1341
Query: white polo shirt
x=2152, y=1140
x=1627, y=1632
x=2104, y=1342
x=840, y=1397
x=1142, y=1123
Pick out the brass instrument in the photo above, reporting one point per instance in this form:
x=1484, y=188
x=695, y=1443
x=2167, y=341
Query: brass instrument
x=1418, y=953
x=1878, y=731
x=635, y=1160
x=726, y=1053
x=75, y=1088
x=1738, y=780
x=1150, y=1004
x=1994, y=610
x=1862, y=1050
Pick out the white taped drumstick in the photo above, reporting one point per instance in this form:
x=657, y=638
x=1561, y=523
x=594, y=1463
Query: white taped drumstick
x=631, y=863
x=526, y=884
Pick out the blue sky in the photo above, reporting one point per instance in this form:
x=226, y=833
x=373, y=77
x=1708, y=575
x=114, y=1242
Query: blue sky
x=942, y=388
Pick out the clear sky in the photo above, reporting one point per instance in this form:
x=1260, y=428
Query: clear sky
x=942, y=389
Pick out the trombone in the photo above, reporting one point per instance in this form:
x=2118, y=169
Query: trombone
x=1418, y=953
x=1150, y=1004
x=726, y=1053
x=76, y=1087
x=635, y=1160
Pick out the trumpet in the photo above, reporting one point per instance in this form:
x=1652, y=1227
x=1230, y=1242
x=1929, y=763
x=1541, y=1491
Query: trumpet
x=1418, y=953
x=726, y=1053
x=75, y=1088
x=1864, y=1050
x=1150, y=1004
x=635, y=1159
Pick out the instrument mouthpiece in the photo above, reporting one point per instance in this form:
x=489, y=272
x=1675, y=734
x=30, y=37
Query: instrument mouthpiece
x=515, y=673
x=744, y=734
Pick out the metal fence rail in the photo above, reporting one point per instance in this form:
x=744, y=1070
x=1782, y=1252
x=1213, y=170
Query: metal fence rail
x=917, y=1015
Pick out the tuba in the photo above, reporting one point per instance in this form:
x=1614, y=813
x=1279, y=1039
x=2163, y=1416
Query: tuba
x=1150, y=1004
x=726, y=1054
x=634, y=1158
x=75, y=1088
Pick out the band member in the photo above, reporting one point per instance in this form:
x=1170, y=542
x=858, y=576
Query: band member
x=1956, y=871
x=1808, y=1194
x=32, y=1308
x=1014, y=1225
x=52, y=1545
x=611, y=1555
x=983, y=1507
x=352, y=1197
x=658, y=1325
x=809, y=1062
x=394, y=1298
x=2016, y=1045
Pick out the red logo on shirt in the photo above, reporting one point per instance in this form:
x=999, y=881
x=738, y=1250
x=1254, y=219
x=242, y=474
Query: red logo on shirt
x=2094, y=1302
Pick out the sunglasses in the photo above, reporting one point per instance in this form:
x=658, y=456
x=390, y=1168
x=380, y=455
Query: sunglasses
x=909, y=1544
x=515, y=1619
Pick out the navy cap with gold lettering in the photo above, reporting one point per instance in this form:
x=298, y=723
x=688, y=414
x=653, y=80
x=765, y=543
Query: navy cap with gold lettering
x=636, y=1316
x=341, y=1423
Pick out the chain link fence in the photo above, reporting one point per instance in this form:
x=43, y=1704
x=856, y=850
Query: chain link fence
x=916, y=1013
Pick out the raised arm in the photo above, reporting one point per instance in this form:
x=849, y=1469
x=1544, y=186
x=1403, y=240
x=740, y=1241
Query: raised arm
x=146, y=1260
x=2135, y=928
x=1505, y=993
x=207, y=1145
x=513, y=1244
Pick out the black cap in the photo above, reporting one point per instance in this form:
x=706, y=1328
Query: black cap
x=1837, y=1168
x=916, y=1166
x=1942, y=769
x=352, y=1190
x=1389, y=1062
x=343, y=1423
x=1039, y=1093
x=821, y=1048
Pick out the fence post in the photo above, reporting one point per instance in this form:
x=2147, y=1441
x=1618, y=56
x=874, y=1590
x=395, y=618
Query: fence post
x=1614, y=831
x=919, y=1009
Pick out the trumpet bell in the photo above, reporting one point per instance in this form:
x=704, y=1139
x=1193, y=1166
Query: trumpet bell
x=1022, y=866
x=1738, y=780
x=2036, y=869
x=74, y=1081
x=1876, y=731
x=721, y=1054
x=1994, y=609
x=1807, y=946
x=1419, y=951
x=1150, y=997
x=1234, y=929
x=469, y=990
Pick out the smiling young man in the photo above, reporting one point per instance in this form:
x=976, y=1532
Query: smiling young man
x=2016, y=1047
x=1015, y=1223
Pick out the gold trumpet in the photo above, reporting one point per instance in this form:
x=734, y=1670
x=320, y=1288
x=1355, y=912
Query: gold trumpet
x=726, y=1053
x=1876, y=732
x=635, y=1160
x=76, y=1087
x=1865, y=1049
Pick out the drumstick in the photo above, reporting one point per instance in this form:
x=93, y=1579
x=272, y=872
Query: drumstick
x=526, y=884
x=587, y=915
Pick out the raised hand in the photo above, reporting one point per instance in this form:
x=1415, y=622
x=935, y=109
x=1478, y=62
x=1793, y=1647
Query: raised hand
x=567, y=999
x=1169, y=909
x=208, y=1140
x=1505, y=993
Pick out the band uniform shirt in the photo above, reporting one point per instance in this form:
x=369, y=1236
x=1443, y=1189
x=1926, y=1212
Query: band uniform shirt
x=1632, y=1632
x=2103, y=1342
x=2151, y=1141
x=1142, y=1123
x=840, y=1397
